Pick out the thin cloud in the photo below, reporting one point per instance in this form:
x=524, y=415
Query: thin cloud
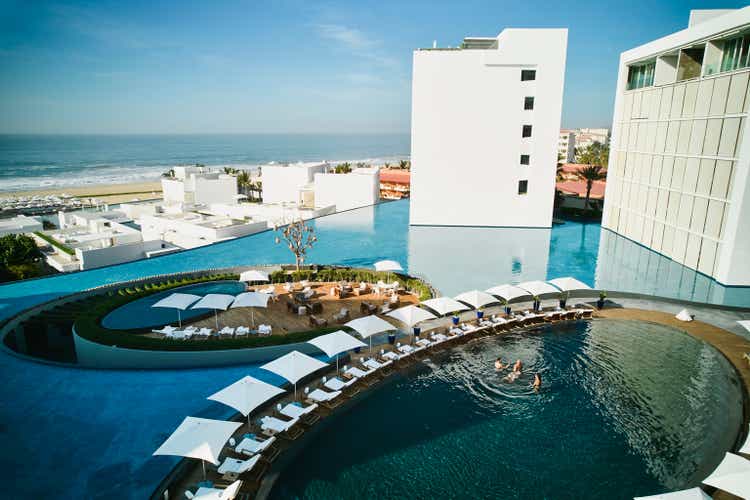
x=356, y=42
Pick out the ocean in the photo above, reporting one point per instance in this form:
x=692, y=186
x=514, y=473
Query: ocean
x=30, y=162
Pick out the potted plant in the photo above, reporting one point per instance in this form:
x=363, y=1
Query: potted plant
x=536, y=303
x=600, y=302
x=564, y=299
x=417, y=331
x=455, y=318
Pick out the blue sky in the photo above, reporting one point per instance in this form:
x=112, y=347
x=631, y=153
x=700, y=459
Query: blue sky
x=281, y=66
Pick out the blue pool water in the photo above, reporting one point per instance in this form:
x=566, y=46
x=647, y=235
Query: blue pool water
x=92, y=432
x=140, y=314
x=611, y=421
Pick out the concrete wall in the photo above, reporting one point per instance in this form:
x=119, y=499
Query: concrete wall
x=222, y=189
x=282, y=183
x=359, y=188
x=679, y=165
x=467, y=119
x=99, y=257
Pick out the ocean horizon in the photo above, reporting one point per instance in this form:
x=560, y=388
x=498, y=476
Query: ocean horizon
x=50, y=161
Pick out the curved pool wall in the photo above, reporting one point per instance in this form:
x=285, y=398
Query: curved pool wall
x=611, y=421
x=92, y=432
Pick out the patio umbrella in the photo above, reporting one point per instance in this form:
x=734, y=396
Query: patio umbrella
x=411, y=315
x=732, y=475
x=215, y=301
x=179, y=301
x=251, y=300
x=538, y=288
x=568, y=284
x=246, y=394
x=254, y=275
x=691, y=494
x=335, y=343
x=388, y=266
x=293, y=366
x=444, y=305
x=367, y=326
x=200, y=438
x=476, y=299
x=507, y=292
x=746, y=324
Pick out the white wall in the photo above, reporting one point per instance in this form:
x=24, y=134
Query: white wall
x=282, y=183
x=100, y=257
x=359, y=188
x=200, y=189
x=19, y=224
x=467, y=117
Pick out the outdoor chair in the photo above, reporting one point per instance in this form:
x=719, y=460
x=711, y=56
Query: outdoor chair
x=342, y=316
x=316, y=322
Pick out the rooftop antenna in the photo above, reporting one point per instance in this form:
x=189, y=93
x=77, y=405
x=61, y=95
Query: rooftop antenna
x=434, y=44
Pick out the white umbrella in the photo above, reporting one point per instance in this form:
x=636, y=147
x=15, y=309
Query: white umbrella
x=684, y=315
x=335, y=343
x=200, y=438
x=507, y=292
x=246, y=394
x=411, y=315
x=293, y=366
x=254, y=275
x=215, y=301
x=746, y=447
x=745, y=324
x=367, y=326
x=179, y=301
x=388, y=265
x=691, y=494
x=538, y=288
x=476, y=299
x=732, y=475
x=251, y=300
x=568, y=284
x=444, y=305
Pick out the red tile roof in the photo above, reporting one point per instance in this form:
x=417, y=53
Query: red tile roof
x=579, y=188
x=395, y=176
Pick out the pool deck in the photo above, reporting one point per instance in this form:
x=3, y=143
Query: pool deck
x=732, y=345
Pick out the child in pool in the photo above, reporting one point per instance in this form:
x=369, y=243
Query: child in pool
x=499, y=365
x=537, y=382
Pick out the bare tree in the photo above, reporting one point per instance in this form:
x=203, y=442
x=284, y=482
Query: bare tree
x=299, y=237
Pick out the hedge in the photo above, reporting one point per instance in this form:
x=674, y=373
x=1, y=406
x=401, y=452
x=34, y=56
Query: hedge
x=55, y=243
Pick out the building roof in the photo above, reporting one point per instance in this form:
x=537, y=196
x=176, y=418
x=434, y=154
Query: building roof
x=395, y=176
x=579, y=188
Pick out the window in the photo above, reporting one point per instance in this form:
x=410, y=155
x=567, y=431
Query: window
x=641, y=76
x=528, y=103
x=525, y=159
x=528, y=75
x=735, y=54
x=523, y=187
x=526, y=131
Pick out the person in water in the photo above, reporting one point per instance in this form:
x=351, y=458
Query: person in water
x=518, y=366
x=499, y=365
x=537, y=382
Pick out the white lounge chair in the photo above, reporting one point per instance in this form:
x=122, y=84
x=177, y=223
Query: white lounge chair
x=227, y=330
x=166, y=330
x=242, y=330
x=321, y=396
x=336, y=384
x=390, y=356
x=231, y=468
x=226, y=494
x=272, y=425
x=423, y=343
x=251, y=446
x=270, y=290
x=204, y=332
x=265, y=330
x=293, y=410
x=356, y=373
x=375, y=365
x=438, y=338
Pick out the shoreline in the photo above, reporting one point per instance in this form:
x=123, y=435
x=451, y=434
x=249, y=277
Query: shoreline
x=108, y=193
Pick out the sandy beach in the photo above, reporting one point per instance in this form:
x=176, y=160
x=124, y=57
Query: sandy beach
x=109, y=193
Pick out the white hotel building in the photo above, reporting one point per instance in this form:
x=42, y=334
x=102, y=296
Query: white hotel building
x=485, y=126
x=678, y=171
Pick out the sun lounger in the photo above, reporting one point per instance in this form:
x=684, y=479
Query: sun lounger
x=265, y=330
x=231, y=468
x=191, y=329
x=251, y=446
x=205, y=493
x=375, y=365
x=204, y=332
x=423, y=343
x=296, y=410
x=272, y=425
x=227, y=330
x=336, y=384
x=166, y=330
x=438, y=338
x=242, y=330
x=325, y=398
x=408, y=350
x=390, y=356
x=355, y=373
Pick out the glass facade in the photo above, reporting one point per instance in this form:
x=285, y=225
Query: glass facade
x=735, y=53
x=641, y=76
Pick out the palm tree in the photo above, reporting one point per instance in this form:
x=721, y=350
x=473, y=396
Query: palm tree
x=590, y=173
x=386, y=165
x=404, y=165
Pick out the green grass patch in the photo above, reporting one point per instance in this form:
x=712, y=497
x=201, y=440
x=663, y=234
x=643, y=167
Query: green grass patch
x=55, y=243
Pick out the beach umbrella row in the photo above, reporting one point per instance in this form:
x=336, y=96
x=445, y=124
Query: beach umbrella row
x=215, y=301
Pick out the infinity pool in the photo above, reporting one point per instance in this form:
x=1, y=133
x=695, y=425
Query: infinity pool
x=627, y=409
x=140, y=314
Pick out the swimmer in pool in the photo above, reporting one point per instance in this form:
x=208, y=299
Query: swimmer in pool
x=518, y=366
x=537, y=382
x=499, y=365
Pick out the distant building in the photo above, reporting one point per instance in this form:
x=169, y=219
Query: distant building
x=359, y=188
x=195, y=229
x=290, y=183
x=679, y=171
x=485, y=127
x=19, y=224
x=566, y=146
x=573, y=189
x=394, y=184
x=588, y=136
x=197, y=186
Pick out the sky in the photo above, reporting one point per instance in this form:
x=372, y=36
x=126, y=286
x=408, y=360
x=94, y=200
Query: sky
x=284, y=66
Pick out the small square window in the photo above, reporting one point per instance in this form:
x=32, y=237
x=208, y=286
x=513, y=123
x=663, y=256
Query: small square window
x=525, y=159
x=526, y=131
x=523, y=187
x=528, y=103
x=528, y=75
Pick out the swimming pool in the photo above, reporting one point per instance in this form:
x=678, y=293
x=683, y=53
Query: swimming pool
x=140, y=314
x=626, y=409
